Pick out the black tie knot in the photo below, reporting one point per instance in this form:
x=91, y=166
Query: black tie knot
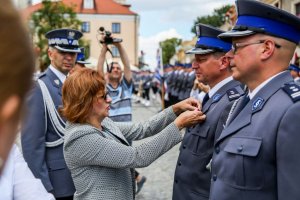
x=205, y=99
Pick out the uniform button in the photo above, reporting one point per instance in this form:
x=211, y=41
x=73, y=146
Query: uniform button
x=179, y=164
x=214, y=177
x=176, y=181
x=217, y=149
x=184, y=146
x=240, y=148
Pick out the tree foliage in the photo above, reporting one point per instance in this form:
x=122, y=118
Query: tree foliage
x=217, y=19
x=52, y=15
x=169, y=49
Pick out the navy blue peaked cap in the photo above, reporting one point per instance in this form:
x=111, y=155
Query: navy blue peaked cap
x=168, y=66
x=257, y=17
x=65, y=40
x=188, y=65
x=208, y=41
x=81, y=57
x=294, y=68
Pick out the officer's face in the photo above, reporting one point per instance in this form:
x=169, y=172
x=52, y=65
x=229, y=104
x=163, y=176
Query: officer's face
x=294, y=74
x=243, y=59
x=207, y=68
x=62, y=61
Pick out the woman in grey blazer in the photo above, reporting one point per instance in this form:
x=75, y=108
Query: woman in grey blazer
x=96, y=149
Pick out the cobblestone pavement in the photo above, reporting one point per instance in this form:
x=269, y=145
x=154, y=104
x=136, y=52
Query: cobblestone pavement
x=160, y=173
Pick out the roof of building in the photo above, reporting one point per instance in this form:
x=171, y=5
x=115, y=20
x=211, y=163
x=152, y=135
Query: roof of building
x=106, y=7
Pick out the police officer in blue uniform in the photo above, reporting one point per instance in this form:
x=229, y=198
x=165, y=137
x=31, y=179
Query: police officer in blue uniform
x=43, y=129
x=295, y=72
x=80, y=60
x=257, y=153
x=192, y=175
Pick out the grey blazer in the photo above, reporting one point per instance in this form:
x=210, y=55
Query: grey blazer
x=257, y=154
x=101, y=164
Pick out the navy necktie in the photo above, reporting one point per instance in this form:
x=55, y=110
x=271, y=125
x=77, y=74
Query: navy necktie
x=205, y=99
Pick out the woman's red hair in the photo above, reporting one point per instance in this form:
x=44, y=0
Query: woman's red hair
x=78, y=92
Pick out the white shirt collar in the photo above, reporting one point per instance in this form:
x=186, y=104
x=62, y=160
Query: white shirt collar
x=213, y=90
x=258, y=88
x=58, y=73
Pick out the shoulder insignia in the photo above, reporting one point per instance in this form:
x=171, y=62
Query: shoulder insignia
x=56, y=81
x=293, y=90
x=233, y=94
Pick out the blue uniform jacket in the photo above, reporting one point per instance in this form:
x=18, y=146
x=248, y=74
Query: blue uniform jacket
x=48, y=164
x=192, y=178
x=257, y=154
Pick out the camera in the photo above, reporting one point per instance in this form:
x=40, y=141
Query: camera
x=107, y=37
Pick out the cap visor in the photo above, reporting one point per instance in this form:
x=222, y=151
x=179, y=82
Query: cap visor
x=199, y=51
x=233, y=33
x=68, y=50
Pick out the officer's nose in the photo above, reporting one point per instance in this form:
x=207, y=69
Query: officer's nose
x=195, y=65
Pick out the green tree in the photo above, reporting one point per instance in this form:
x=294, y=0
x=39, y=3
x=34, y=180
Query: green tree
x=217, y=19
x=169, y=49
x=52, y=15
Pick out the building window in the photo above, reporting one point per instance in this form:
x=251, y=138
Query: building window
x=297, y=8
x=85, y=27
x=277, y=4
x=88, y=4
x=115, y=51
x=116, y=28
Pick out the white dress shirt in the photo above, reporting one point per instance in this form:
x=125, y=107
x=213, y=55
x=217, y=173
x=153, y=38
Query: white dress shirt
x=17, y=181
x=258, y=88
x=58, y=73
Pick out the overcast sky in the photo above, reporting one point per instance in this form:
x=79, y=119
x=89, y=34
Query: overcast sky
x=163, y=19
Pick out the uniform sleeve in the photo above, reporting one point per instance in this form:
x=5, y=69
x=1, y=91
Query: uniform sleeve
x=25, y=185
x=148, y=128
x=33, y=139
x=288, y=159
x=93, y=149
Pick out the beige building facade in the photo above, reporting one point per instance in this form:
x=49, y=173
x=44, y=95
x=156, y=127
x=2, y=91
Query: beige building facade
x=114, y=15
x=128, y=32
x=292, y=6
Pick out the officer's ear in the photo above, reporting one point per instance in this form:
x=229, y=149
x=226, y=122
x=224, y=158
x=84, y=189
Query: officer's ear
x=268, y=48
x=224, y=62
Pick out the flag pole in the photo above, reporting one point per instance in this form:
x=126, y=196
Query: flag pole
x=162, y=80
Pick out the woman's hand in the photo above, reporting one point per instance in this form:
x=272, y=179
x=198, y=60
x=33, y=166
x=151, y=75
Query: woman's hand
x=204, y=88
x=187, y=104
x=189, y=118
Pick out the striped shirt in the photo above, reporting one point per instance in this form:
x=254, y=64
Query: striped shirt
x=120, y=107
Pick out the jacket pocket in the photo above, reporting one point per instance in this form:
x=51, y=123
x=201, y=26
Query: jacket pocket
x=197, y=140
x=243, y=146
x=246, y=168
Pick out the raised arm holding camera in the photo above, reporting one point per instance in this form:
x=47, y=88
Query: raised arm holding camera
x=115, y=83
